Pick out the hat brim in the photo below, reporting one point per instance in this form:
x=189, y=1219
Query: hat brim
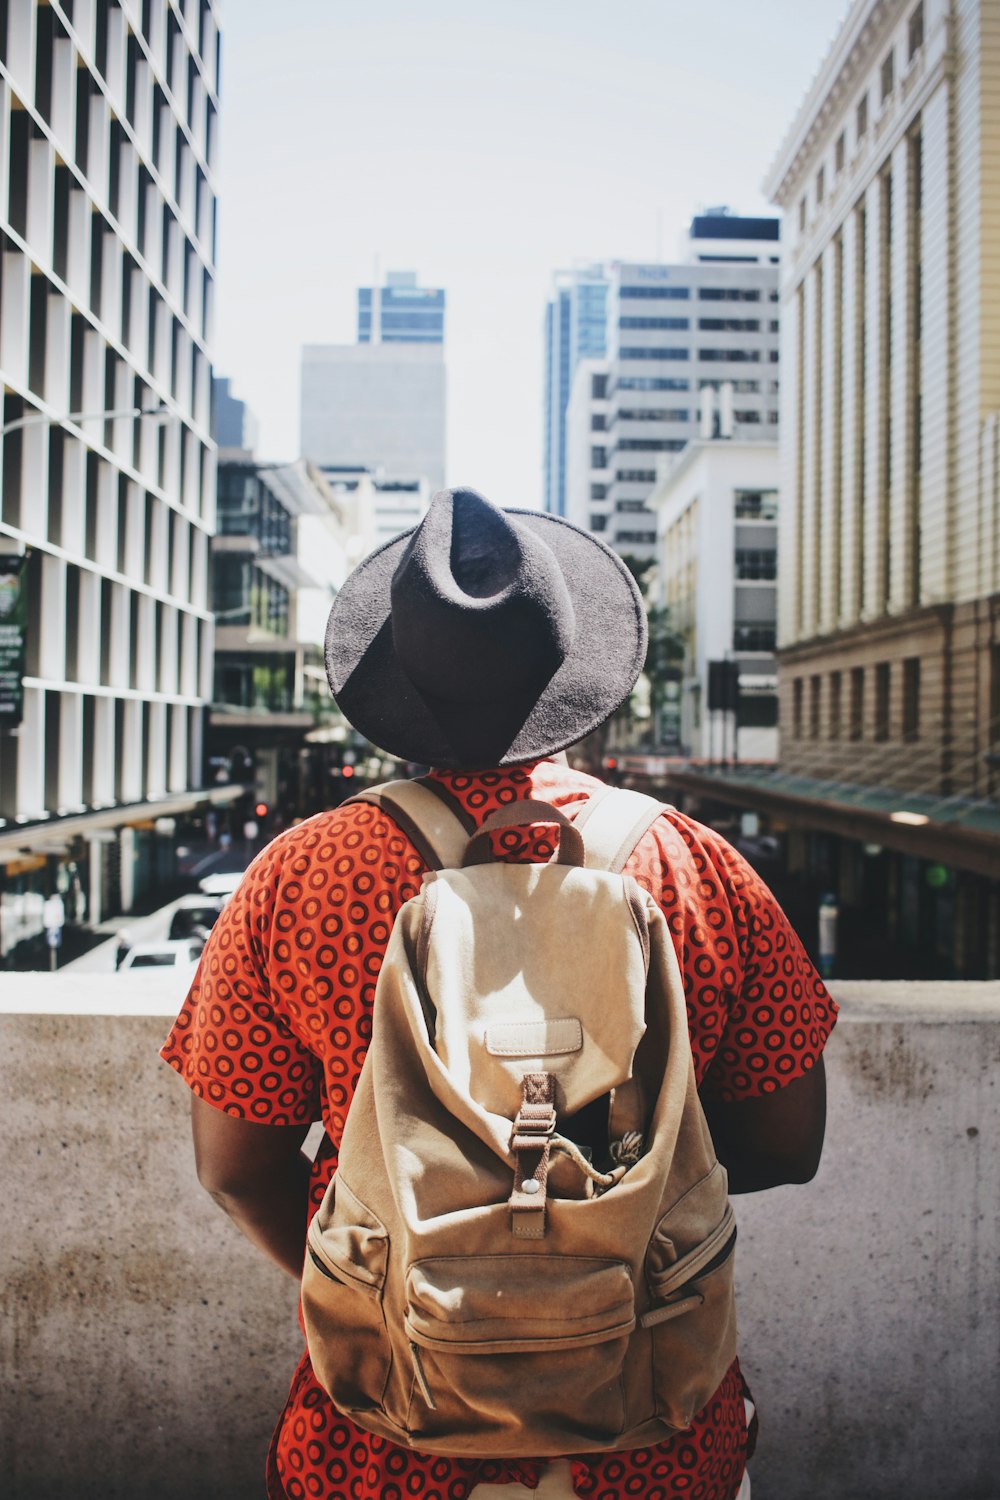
x=598, y=672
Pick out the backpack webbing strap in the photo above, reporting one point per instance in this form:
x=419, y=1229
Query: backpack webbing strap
x=432, y=828
x=534, y=1126
x=612, y=823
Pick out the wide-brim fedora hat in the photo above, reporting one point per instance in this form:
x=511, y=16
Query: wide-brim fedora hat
x=484, y=637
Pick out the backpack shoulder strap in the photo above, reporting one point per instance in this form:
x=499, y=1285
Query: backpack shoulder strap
x=433, y=826
x=612, y=823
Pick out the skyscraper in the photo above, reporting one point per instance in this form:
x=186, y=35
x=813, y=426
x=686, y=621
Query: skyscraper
x=672, y=331
x=401, y=312
x=575, y=329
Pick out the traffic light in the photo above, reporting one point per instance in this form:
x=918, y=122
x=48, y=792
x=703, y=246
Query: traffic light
x=260, y=810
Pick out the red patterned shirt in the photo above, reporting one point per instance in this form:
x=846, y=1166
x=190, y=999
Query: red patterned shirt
x=278, y=1021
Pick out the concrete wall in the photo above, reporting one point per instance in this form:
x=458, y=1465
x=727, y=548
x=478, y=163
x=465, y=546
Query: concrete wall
x=146, y=1351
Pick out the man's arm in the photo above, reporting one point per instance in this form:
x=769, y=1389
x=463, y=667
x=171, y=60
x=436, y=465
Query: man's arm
x=259, y=1175
x=774, y=1138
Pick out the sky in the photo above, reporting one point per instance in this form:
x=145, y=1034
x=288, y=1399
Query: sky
x=483, y=145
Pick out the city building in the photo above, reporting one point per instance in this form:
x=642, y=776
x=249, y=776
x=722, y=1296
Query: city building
x=377, y=408
x=379, y=508
x=233, y=423
x=401, y=312
x=670, y=332
x=889, y=585
x=675, y=331
x=107, y=262
x=716, y=514
x=282, y=548
x=587, y=473
x=575, y=329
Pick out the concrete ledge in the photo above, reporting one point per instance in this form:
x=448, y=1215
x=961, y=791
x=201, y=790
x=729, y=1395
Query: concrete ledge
x=146, y=1351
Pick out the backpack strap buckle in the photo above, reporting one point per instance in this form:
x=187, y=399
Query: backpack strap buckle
x=534, y=1127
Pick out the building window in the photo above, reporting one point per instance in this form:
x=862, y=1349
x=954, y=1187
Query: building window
x=839, y=153
x=856, y=728
x=598, y=458
x=598, y=492
x=756, y=505
x=631, y=507
x=753, y=638
x=637, y=538
x=883, y=684
x=820, y=185
x=815, y=704
x=729, y=325
x=598, y=421
x=911, y=699
x=835, y=706
x=797, y=690
x=598, y=521
x=755, y=564
x=598, y=387
x=915, y=32
x=861, y=117
x=888, y=75
x=757, y=711
x=730, y=294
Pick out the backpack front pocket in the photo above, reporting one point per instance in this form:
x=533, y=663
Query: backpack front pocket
x=347, y=1254
x=514, y=1351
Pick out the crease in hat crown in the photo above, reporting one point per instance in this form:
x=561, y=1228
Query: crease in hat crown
x=485, y=637
x=480, y=608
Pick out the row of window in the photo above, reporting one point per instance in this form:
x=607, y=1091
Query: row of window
x=57, y=488
x=847, y=707
x=708, y=356
x=111, y=636
x=124, y=750
x=704, y=293
x=136, y=126
x=95, y=253
x=887, y=84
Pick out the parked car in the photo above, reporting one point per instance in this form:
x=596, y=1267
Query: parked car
x=222, y=886
x=194, y=917
x=182, y=953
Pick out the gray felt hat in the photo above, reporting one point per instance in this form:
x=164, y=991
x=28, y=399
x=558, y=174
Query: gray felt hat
x=485, y=637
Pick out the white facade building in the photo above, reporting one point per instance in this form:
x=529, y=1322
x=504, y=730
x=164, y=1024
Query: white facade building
x=375, y=407
x=107, y=243
x=587, y=473
x=716, y=515
x=889, y=609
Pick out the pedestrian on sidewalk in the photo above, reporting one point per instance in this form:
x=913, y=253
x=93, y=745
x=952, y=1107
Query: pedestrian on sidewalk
x=483, y=644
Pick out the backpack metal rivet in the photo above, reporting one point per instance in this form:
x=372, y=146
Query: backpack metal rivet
x=531, y=1187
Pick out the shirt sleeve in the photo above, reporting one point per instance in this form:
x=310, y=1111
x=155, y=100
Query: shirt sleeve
x=232, y=1042
x=781, y=1013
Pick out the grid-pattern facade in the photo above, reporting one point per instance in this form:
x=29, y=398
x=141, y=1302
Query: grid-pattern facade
x=401, y=312
x=889, y=604
x=674, y=331
x=108, y=117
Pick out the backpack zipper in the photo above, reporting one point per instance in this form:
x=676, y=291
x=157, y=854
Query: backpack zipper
x=418, y=1370
x=320, y=1266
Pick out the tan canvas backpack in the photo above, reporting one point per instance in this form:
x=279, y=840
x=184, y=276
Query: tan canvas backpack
x=527, y=1248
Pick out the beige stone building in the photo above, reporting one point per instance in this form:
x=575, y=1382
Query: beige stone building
x=889, y=596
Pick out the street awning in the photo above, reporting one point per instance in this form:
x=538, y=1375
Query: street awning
x=962, y=832
x=41, y=835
